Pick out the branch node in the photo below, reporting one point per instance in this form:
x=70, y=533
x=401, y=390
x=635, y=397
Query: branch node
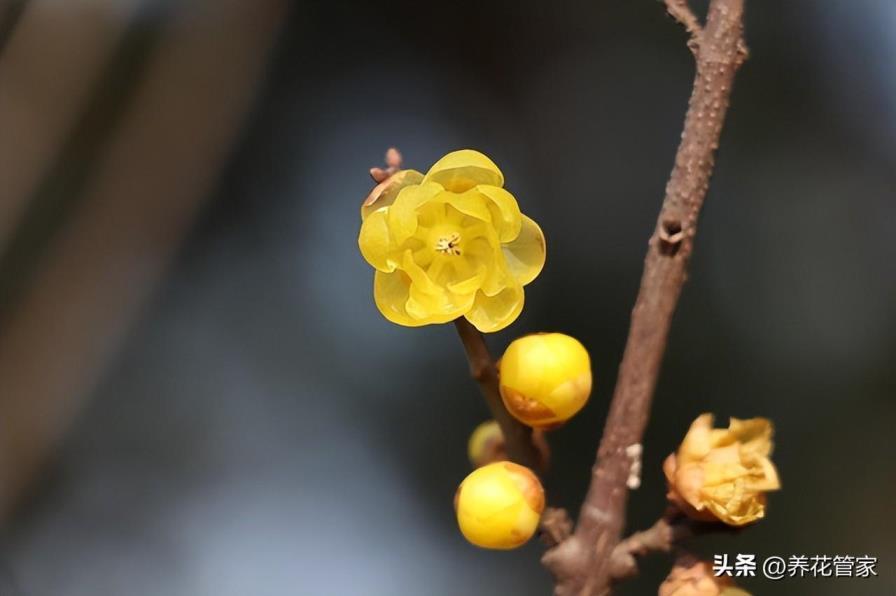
x=556, y=526
x=743, y=52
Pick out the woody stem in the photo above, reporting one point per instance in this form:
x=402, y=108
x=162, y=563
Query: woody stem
x=517, y=436
x=582, y=563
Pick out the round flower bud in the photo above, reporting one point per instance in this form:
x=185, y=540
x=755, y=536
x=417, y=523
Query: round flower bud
x=499, y=505
x=545, y=379
x=486, y=444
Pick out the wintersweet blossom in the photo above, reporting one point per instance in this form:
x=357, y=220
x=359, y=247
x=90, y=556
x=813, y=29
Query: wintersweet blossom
x=451, y=243
x=723, y=474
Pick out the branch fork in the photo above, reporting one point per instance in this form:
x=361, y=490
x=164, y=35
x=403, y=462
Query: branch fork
x=681, y=11
x=594, y=556
x=588, y=557
x=522, y=445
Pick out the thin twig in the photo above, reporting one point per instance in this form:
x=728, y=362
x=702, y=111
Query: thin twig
x=667, y=533
x=555, y=526
x=660, y=537
x=521, y=447
x=681, y=11
x=581, y=564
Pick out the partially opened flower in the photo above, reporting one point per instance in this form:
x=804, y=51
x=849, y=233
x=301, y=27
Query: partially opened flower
x=723, y=474
x=691, y=577
x=449, y=244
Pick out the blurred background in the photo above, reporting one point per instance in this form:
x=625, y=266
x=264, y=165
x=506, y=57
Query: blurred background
x=198, y=396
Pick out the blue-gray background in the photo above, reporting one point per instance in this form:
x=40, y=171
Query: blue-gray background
x=264, y=431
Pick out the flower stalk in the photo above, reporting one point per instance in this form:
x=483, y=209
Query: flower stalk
x=520, y=444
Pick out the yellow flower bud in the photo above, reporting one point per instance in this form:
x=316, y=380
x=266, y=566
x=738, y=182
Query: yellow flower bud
x=486, y=444
x=723, y=474
x=499, y=505
x=696, y=578
x=545, y=379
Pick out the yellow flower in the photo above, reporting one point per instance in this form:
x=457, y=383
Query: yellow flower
x=449, y=244
x=499, y=505
x=545, y=379
x=696, y=578
x=723, y=474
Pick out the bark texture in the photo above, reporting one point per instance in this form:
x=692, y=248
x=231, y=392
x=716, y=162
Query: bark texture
x=582, y=564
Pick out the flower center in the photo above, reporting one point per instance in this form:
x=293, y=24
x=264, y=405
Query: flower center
x=448, y=244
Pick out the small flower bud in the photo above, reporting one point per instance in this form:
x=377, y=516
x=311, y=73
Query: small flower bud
x=499, y=505
x=545, y=379
x=486, y=444
x=690, y=577
x=723, y=474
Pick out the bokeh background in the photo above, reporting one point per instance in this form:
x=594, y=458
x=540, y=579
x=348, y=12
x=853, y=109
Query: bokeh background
x=197, y=394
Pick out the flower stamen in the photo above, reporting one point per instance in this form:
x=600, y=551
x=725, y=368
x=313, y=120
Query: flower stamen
x=449, y=245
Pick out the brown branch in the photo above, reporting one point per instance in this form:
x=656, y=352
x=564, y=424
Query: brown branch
x=681, y=11
x=518, y=437
x=660, y=537
x=667, y=533
x=582, y=563
x=555, y=526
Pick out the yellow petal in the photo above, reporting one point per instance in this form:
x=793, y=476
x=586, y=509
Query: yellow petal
x=375, y=241
x=697, y=442
x=765, y=478
x=493, y=313
x=687, y=481
x=470, y=283
x=391, y=292
x=429, y=300
x=733, y=511
x=526, y=254
x=505, y=211
x=402, y=215
x=469, y=203
x=440, y=308
x=728, y=455
x=419, y=277
x=385, y=192
x=755, y=434
x=485, y=251
x=460, y=171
